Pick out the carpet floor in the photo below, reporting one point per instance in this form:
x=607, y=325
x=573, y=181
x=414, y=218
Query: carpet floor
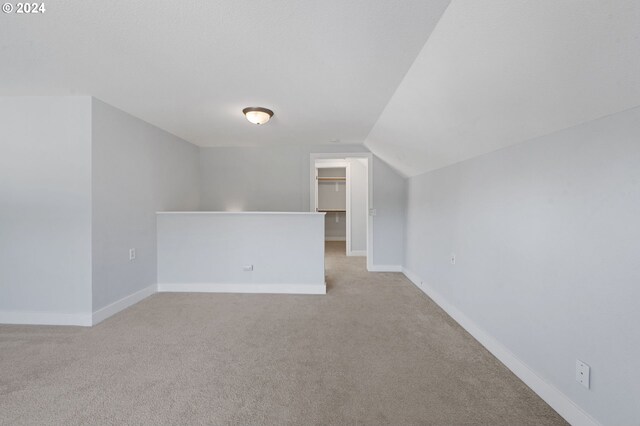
x=374, y=351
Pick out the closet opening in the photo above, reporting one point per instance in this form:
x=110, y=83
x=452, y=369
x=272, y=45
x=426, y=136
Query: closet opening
x=340, y=189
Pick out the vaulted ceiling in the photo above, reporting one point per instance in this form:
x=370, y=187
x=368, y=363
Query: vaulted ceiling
x=499, y=72
x=327, y=68
x=422, y=83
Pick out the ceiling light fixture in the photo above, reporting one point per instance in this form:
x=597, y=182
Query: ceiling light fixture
x=257, y=115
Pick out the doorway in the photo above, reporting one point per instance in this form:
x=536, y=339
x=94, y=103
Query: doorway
x=340, y=188
x=331, y=198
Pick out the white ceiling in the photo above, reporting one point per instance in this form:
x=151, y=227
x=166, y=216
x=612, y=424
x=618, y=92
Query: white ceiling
x=327, y=68
x=495, y=73
x=491, y=74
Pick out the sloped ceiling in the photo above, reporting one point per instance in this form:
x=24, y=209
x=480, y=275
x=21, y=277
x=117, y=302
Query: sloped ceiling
x=430, y=85
x=326, y=67
x=496, y=73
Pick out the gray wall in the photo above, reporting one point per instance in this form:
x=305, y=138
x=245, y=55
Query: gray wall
x=81, y=182
x=359, y=192
x=207, y=251
x=45, y=205
x=547, y=237
x=389, y=200
x=273, y=178
x=277, y=179
x=138, y=169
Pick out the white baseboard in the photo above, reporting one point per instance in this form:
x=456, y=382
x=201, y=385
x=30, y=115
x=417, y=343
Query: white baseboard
x=357, y=253
x=122, y=304
x=87, y=320
x=44, y=318
x=549, y=393
x=243, y=288
x=335, y=238
x=384, y=268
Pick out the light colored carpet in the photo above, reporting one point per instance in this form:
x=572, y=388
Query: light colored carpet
x=373, y=351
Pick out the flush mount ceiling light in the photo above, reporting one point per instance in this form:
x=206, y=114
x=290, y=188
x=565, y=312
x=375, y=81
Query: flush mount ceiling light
x=257, y=115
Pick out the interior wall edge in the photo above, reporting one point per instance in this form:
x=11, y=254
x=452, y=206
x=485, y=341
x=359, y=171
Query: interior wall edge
x=122, y=304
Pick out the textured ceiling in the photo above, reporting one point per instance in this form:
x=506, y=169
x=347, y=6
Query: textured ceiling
x=327, y=68
x=491, y=74
x=495, y=73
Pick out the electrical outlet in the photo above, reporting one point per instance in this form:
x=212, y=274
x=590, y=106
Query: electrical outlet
x=247, y=268
x=132, y=254
x=583, y=373
x=453, y=259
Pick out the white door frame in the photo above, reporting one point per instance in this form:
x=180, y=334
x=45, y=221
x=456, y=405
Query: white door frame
x=348, y=208
x=351, y=252
x=344, y=156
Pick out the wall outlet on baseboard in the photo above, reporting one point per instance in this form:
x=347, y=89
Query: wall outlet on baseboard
x=247, y=268
x=583, y=373
x=132, y=254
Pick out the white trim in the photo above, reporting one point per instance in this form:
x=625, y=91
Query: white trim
x=357, y=253
x=548, y=392
x=242, y=288
x=314, y=208
x=348, y=207
x=370, y=201
x=335, y=238
x=331, y=164
x=239, y=213
x=122, y=304
x=384, y=268
x=85, y=320
x=44, y=318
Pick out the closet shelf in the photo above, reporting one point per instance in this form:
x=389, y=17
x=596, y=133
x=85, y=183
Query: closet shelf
x=332, y=179
x=332, y=210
